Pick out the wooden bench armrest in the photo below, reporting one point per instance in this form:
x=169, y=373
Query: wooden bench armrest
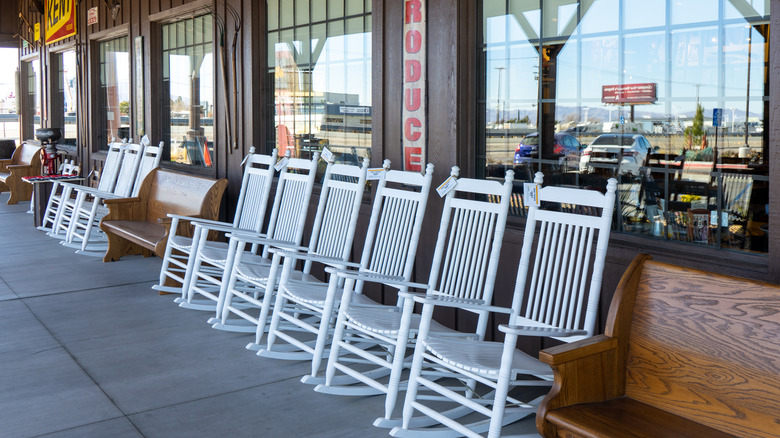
x=125, y=209
x=21, y=170
x=578, y=350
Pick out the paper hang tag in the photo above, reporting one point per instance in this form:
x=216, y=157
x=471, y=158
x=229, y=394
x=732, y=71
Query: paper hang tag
x=281, y=163
x=724, y=218
x=531, y=194
x=375, y=174
x=447, y=186
x=326, y=155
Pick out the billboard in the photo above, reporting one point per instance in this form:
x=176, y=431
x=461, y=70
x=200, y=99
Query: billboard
x=629, y=93
x=60, y=19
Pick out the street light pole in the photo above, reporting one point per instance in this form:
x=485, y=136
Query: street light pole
x=498, y=93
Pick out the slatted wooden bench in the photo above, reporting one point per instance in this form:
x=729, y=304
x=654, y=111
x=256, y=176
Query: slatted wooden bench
x=685, y=353
x=140, y=225
x=25, y=161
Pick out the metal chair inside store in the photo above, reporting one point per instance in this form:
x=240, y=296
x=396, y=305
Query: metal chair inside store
x=556, y=295
x=330, y=244
x=370, y=343
x=249, y=217
x=212, y=264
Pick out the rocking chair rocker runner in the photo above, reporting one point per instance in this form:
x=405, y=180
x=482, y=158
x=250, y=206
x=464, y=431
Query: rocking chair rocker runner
x=331, y=244
x=464, y=267
x=213, y=263
x=249, y=216
x=556, y=295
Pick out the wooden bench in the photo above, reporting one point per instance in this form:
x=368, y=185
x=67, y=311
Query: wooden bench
x=25, y=161
x=685, y=353
x=140, y=225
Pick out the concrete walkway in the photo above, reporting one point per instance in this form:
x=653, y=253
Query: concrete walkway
x=87, y=349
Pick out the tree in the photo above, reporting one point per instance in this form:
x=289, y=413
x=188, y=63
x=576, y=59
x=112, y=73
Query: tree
x=124, y=108
x=696, y=130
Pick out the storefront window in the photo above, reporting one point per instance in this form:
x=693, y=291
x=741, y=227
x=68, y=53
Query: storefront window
x=669, y=97
x=320, y=64
x=188, y=88
x=68, y=94
x=114, y=108
x=9, y=78
x=32, y=95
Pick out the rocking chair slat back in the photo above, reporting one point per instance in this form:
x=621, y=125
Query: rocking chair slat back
x=253, y=197
x=564, y=288
x=110, y=170
x=470, y=238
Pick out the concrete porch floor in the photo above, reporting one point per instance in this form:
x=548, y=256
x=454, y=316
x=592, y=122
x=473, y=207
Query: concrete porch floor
x=87, y=349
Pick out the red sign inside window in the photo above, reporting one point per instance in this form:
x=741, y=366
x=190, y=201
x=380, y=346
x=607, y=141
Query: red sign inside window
x=629, y=93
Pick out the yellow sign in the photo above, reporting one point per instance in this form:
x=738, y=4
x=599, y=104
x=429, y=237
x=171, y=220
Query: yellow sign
x=37, y=35
x=60, y=19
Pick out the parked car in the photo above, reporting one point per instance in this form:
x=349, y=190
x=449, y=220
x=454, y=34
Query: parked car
x=606, y=150
x=564, y=145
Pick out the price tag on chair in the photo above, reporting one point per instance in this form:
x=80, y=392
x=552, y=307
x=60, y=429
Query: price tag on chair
x=281, y=163
x=447, y=186
x=375, y=174
x=531, y=194
x=327, y=155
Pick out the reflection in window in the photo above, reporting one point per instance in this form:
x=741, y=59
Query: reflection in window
x=114, y=94
x=188, y=88
x=587, y=90
x=66, y=84
x=320, y=65
x=9, y=71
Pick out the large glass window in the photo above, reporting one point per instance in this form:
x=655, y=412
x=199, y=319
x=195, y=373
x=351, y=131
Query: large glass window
x=9, y=77
x=114, y=108
x=32, y=96
x=319, y=61
x=68, y=95
x=188, y=91
x=669, y=97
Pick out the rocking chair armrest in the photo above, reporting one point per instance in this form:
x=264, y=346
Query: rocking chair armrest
x=168, y=220
x=525, y=330
x=325, y=260
x=244, y=236
x=373, y=277
x=223, y=227
x=96, y=193
x=198, y=219
x=460, y=303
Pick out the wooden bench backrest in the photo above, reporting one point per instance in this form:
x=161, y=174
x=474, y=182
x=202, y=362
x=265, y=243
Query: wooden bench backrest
x=26, y=154
x=173, y=192
x=707, y=347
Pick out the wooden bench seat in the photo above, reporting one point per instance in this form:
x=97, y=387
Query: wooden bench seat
x=25, y=161
x=140, y=225
x=686, y=353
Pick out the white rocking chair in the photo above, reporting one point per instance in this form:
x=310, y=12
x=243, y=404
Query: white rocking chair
x=211, y=265
x=138, y=161
x=108, y=176
x=249, y=216
x=463, y=269
x=331, y=244
x=303, y=313
x=556, y=295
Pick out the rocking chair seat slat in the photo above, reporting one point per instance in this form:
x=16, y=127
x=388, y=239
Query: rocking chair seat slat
x=316, y=294
x=483, y=358
x=260, y=272
x=387, y=321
